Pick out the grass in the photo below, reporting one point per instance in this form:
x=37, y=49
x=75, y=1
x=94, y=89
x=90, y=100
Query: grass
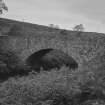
x=53, y=87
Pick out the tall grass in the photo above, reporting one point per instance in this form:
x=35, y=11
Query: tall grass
x=56, y=87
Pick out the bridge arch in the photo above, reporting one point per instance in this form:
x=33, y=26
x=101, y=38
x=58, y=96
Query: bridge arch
x=50, y=58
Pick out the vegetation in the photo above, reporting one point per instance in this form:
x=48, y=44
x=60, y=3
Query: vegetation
x=49, y=59
x=83, y=86
x=61, y=87
x=3, y=7
x=54, y=26
x=79, y=27
x=9, y=67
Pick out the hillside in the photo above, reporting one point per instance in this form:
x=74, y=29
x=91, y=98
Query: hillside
x=83, y=86
x=7, y=24
x=86, y=45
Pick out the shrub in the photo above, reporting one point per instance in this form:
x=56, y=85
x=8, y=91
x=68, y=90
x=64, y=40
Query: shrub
x=9, y=66
x=50, y=88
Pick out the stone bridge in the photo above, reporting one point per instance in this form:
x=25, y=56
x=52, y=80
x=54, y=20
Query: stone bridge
x=32, y=38
x=23, y=46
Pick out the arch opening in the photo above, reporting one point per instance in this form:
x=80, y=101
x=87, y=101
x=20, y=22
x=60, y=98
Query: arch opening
x=49, y=59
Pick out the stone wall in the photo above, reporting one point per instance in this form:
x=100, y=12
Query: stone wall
x=81, y=46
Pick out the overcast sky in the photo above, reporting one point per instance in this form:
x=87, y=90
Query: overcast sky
x=65, y=13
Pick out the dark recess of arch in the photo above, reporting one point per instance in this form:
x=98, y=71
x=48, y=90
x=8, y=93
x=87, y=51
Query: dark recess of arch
x=50, y=58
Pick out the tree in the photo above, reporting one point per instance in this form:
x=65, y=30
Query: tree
x=79, y=27
x=54, y=26
x=3, y=7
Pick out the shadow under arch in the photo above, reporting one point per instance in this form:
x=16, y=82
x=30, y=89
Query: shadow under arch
x=50, y=58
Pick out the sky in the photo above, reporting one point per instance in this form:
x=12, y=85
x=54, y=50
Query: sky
x=65, y=13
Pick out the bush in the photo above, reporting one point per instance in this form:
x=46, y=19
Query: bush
x=50, y=88
x=9, y=66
